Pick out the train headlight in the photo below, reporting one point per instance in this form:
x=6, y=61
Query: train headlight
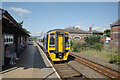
x=60, y=55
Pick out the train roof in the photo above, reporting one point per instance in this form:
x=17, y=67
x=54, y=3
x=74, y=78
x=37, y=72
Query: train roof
x=55, y=30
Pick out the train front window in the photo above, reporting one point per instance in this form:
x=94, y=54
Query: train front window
x=66, y=40
x=52, y=40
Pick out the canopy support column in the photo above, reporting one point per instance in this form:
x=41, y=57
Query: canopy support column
x=0, y=47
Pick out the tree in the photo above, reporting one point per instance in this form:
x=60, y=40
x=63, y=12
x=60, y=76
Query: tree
x=21, y=24
x=94, y=42
x=26, y=31
x=91, y=40
x=107, y=32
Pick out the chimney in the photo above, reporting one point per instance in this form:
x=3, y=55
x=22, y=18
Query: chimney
x=77, y=27
x=90, y=28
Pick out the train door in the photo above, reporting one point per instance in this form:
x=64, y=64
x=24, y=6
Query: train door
x=60, y=43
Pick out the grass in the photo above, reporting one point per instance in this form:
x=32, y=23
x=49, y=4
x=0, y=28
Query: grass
x=102, y=55
x=97, y=50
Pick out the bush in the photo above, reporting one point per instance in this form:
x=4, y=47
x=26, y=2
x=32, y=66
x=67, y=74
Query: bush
x=114, y=58
x=75, y=46
x=91, y=42
x=94, y=42
x=98, y=46
x=92, y=39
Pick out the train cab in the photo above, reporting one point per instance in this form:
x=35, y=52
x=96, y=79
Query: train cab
x=57, y=44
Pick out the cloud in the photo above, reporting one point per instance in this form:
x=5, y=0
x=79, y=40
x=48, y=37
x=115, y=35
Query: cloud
x=80, y=23
x=82, y=26
x=101, y=28
x=36, y=33
x=19, y=10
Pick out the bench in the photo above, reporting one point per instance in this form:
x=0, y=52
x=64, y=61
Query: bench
x=10, y=47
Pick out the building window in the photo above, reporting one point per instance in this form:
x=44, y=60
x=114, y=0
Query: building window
x=116, y=35
x=119, y=43
x=76, y=37
x=8, y=38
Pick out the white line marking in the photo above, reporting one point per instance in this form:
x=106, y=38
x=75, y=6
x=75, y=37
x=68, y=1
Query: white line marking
x=51, y=65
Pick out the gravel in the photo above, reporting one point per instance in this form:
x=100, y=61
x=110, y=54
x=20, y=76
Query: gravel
x=113, y=66
x=85, y=70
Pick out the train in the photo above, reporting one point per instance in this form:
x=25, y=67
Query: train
x=57, y=44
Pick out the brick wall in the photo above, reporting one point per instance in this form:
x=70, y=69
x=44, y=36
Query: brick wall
x=103, y=39
x=115, y=36
x=81, y=37
x=84, y=35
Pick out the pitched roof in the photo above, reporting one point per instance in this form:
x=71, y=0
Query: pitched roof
x=77, y=31
x=95, y=31
x=116, y=23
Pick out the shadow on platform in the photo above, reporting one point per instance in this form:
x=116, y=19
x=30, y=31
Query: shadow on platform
x=27, y=60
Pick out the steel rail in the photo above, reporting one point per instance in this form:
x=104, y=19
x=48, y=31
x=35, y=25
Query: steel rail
x=78, y=71
x=96, y=68
x=62, y=77
x=86, y=78
x=98, y=63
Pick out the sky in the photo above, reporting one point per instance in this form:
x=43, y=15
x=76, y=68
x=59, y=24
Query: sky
x=43, y=16
x=60, y=0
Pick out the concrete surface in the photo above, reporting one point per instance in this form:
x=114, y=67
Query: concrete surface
x=32, y=64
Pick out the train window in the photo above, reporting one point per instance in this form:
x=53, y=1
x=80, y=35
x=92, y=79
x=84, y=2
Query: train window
x=52, y=40
x=66, y=40
x=52, y=34
x=66, y=34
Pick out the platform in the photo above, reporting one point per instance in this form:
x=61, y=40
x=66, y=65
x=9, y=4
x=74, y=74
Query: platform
x=32, y=64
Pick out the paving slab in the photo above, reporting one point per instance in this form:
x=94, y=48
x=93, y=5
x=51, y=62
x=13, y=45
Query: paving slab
x=32, y=64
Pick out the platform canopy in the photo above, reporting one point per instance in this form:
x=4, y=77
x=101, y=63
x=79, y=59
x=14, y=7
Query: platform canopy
x=10, y=25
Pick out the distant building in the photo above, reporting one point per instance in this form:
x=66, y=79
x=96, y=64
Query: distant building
x=79, y=35
x=95, y=31
x=40, y=38
x=115, y=33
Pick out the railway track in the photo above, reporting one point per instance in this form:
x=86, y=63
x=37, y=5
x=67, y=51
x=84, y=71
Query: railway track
x=105, y=71
x=67, y=71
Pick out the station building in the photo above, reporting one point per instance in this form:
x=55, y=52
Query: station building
x=11, y=33
x=115, y=33
x=79, y=35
